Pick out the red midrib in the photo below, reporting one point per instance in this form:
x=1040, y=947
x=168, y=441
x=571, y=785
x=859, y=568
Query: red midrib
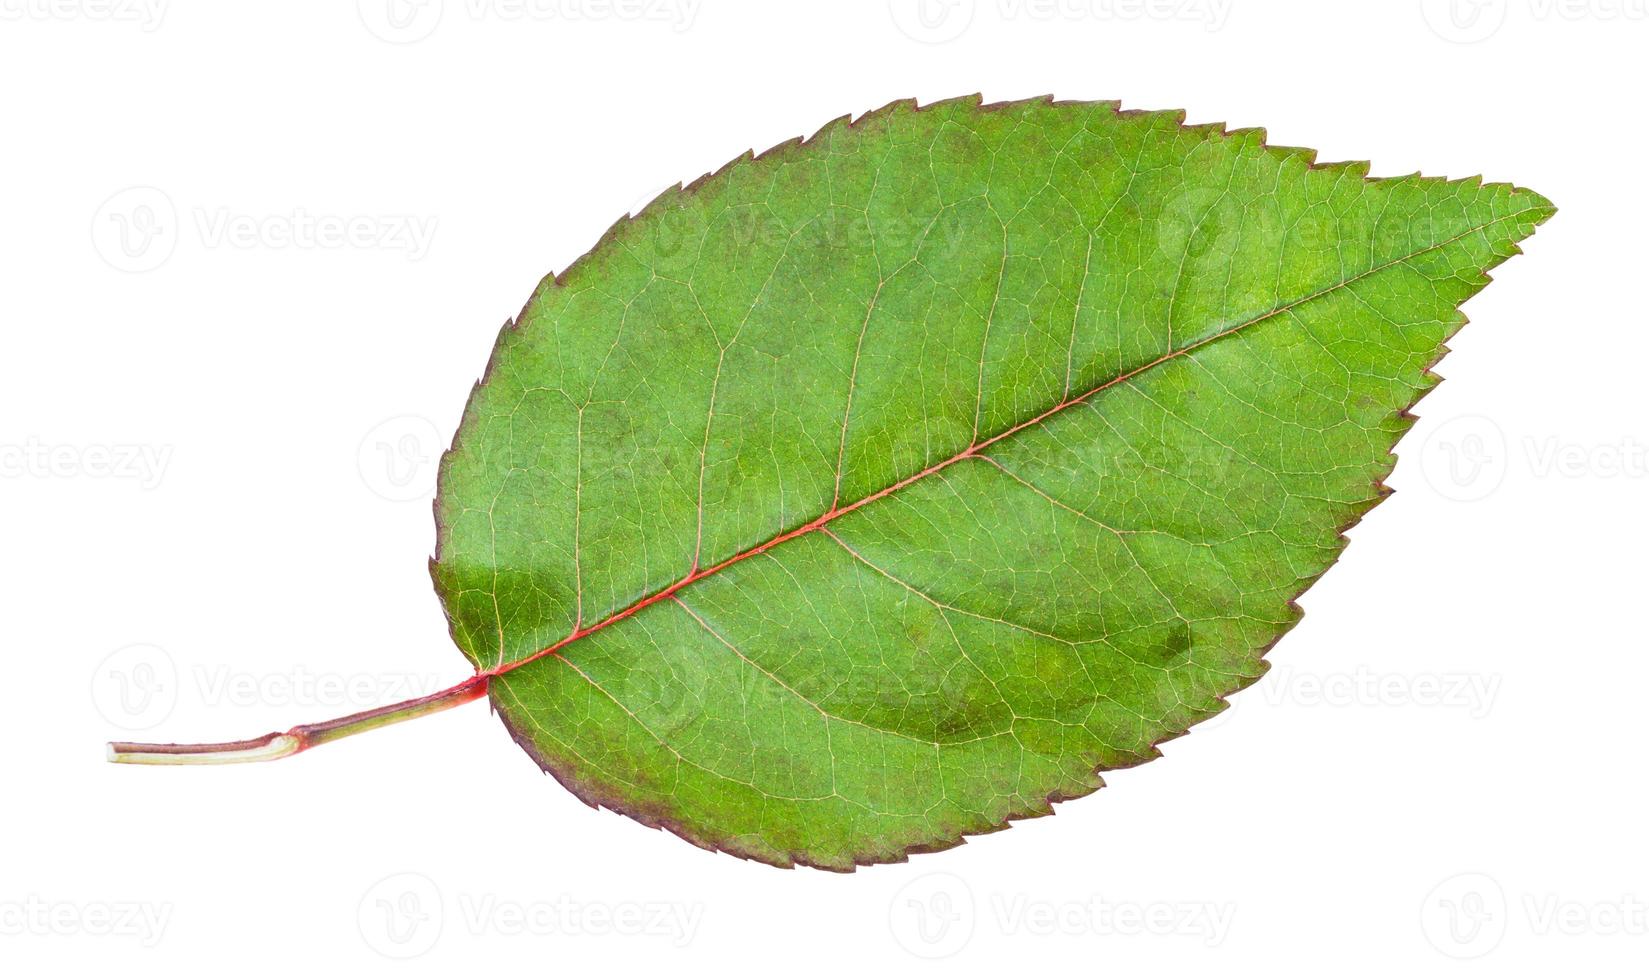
x=973, y=450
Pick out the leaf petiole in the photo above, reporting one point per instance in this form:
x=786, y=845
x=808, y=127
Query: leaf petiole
x=279, y=745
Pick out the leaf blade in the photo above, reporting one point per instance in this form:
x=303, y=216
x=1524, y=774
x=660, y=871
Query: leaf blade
x=788, y=683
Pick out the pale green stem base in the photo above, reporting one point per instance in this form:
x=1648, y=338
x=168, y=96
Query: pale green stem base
x=279, y=745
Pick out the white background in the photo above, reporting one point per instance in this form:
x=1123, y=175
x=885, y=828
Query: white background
x=221, y=396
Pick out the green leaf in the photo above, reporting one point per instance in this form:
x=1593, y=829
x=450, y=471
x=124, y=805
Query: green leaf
x=884, y=487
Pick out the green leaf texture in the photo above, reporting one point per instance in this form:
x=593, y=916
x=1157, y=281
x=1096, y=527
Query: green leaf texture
x=886, y=486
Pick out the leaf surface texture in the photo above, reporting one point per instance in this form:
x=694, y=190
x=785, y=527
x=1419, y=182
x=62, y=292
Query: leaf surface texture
x=885, y=487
